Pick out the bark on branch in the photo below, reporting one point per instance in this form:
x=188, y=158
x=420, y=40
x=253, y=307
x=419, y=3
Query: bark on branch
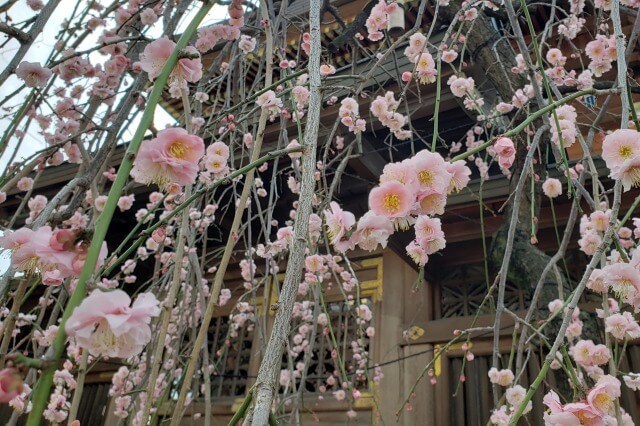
x=267, y=382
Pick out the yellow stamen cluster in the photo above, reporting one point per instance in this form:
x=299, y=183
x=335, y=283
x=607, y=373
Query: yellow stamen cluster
x=177, y=150
x=391, y=202
x=625, y=152
x=425, y=177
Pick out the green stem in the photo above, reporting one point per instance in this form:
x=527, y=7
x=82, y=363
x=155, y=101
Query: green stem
x=272, y=420
x=530, y=392
x=242, y=411
x=43, y=386
x=530, y=119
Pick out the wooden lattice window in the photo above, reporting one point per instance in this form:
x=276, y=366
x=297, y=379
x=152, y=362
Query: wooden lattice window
x=346, y=328
x=463, y=289
x=230, y=357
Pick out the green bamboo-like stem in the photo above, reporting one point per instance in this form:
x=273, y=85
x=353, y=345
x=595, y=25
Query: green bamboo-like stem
x=242, y=411
x=43, y=386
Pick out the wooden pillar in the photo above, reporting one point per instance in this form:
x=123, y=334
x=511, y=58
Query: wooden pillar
x=398, y=277
x=423, y=405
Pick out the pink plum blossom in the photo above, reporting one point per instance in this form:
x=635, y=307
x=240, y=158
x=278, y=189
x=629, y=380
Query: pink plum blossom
x=506, y=151
x=11, y=384
x=602, y=396
x=431, y=172
x=391, y=199
x=105, y=323
x=339, y=222
x=619, y=146
x=552, y=187
x=501, y=377
x=157, y=53
x=33, y=74
x=372, y=230
x=172, y=157
x=623, y=279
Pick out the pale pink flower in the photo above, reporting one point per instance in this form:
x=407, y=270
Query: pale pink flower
x=603, y=395
x=417, y=253
x=449, y=56
x=506, y=152
x=460, y=175
x=589, y=242
x=269, y=100
x=431, y=172
x=294, y=144
x=33, y=74
x=622, y=326
x=426, y=227
x=11, y=384
x=588, y=354
x=504, y=108
x=247, y=44
x=372, y=230
x=569, y=415
x=402, y=172
x=224, y=297
x=431, y=204
x=126, y=202
x=285, y=378
x=500, y=417
x=148, y=16
x=596, y=282
x=157, y=53
x=314, y=263
x=377, y=21
x=432, y=243
x=460, y=86
x=339, y=395
x=326, y=70
x=619, y=146
x=338, y=221
x=552, y=187
x=62, y=257
x=392, y=200
x=172, y=157
x=555, y=306
x=25, y=184
x=37, y=203
x=623, y=279
x=501, y=377
x=632, y=380
x=515, y=395
x=555, y=57
x=100, y=202
x=417, y=43
x=106, y=325
x=574, y=329
x=216, y=164
x=426, y=68
x=628, y=173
